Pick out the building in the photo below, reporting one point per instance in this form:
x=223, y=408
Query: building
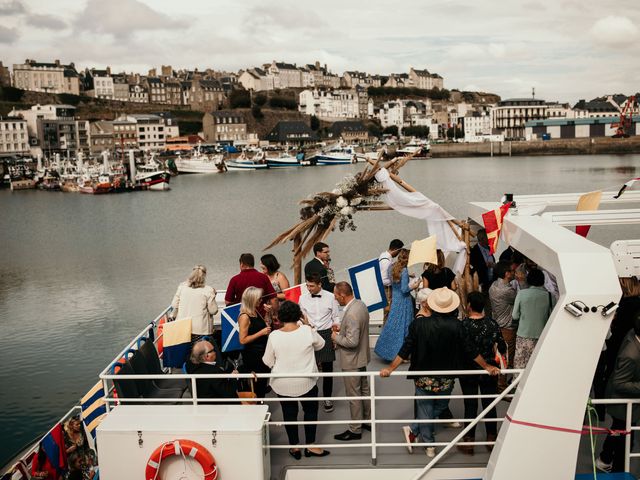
x=256, y=79
x=510, y=116
x=224, y=126
x=477, y=127
x=125, y=134
x=157, y=90
x=598, y=107
x=350, y=132
x=206, y=95
x=101, y=135
x=286, y=75
x=330, y=104
x=5, y=76
x=46, y=77
x=173, y=91
x=322, y=77
x=138, y=93
x=577, y=128
x=171, y=127
x=398, y=80
x=120, y=87
x=14, y=138
x=425, y=80
x=292, y=133
x=99, y=83
x=43, y=112
x=149, y=130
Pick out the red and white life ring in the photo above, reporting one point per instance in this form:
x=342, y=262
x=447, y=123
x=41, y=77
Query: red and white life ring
x=182, y=447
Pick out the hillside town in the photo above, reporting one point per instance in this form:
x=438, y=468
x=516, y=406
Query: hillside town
x=52, y=107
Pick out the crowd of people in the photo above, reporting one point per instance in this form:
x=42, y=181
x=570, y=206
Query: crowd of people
x=424, y=326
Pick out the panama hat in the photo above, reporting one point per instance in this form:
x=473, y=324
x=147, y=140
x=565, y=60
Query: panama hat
x=443, y=300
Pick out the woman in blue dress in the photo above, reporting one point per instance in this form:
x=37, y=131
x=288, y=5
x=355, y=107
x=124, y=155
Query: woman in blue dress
x=401, y=312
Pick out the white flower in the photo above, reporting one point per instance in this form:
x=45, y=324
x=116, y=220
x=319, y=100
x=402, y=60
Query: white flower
x=356, y=201
x=347, y=211
x=341, y=202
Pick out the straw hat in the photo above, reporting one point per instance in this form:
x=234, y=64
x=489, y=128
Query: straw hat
x=443, y=300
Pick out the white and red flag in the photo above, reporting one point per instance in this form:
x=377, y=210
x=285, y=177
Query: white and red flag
x=626, y=185
x=493, y=224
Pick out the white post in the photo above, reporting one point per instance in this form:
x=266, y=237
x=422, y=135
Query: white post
x=132, y=165
x=39, y=163
x=105, y=161
x=79, y=162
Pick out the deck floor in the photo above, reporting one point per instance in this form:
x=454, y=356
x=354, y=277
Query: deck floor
x=391, y=433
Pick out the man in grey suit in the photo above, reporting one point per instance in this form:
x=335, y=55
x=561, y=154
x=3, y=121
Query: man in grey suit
x=352, y=340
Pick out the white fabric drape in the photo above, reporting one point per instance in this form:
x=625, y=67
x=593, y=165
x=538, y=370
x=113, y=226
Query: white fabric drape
x=416, y=205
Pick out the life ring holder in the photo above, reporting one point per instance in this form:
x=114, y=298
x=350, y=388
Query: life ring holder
x=184, y=448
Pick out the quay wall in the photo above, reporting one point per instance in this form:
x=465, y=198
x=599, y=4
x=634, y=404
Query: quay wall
x=565, y=146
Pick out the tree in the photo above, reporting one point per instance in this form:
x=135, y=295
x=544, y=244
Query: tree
x=256, y=111
x=239, y=99
x=391, y=130
x=420, y=132
x=455, y=132
x=374, y=130
x=283, y=102
x=315, y=123
x=260, y=99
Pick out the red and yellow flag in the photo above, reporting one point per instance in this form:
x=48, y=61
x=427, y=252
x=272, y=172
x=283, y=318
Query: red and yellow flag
x=493, y=224
x=588, y=201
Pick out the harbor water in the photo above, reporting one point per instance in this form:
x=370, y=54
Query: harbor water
x=81, y=274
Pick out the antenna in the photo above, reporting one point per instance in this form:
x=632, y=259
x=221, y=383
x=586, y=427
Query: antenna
x=533, y=92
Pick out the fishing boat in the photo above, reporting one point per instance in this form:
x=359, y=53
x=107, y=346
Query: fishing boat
x=245, y=164
x=180, y=435
x=157, y=180
x=199, y=163
x=338, y=155
x=49, y=181
x=417, y=148
x=283, y=160
x=96, y=186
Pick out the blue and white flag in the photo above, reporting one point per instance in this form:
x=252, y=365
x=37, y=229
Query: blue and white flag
x=93, y=411
x=230, y=328
x=177, y=342
x=366, y=280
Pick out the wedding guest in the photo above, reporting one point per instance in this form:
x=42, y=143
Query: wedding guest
x=197, y=301
x=385, y=260
x=437, y=275
x=249, y=277
x=271, y=268
x=320, y=265
x=253, y=335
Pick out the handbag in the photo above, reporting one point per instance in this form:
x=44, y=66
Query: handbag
x=248, y=394
x=502, y=361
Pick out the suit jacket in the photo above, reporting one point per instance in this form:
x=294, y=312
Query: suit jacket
x=476, y=259
x=353, y=339
x=317, y=267
x=625, y=379
x=213, y=387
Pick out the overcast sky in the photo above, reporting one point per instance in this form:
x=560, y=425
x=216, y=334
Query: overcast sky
x=566, y=49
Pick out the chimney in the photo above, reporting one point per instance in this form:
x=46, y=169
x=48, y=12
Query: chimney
x=317, y=64
x=57, y=62
x=108, y=70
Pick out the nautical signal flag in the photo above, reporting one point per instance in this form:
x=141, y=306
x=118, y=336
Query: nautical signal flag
x=93, y=411
x=423, y=251
x=588, y=201
x=293, y=293
x=53, y=446
x=177, y=343
x=230, y=328
x=626, y=185
x=493, y=224
x=366, y=280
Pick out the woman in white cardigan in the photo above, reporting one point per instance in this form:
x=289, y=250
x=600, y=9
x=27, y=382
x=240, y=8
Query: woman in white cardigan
x=196, y=301
x=291, y=349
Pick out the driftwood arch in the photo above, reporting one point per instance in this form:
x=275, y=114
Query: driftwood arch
x=322, y=212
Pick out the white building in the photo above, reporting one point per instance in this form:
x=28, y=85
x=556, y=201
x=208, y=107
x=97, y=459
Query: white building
x=138, y=94
x=477, y=128
x=509, y=116
x=99, y=84
x=256, y=79
x=43, y=112
x=14, y=138
x=46, y=77
x=286, y=75
x=330, y=104
x=405, y=113
x=150, y=131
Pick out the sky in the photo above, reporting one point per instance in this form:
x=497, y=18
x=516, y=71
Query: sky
x=565, y=49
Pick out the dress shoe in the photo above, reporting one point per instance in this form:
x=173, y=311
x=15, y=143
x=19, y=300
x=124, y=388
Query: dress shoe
x=366, y=426
x=297, y=454
x=347, y=436
x=466, y=449
x=309, y=453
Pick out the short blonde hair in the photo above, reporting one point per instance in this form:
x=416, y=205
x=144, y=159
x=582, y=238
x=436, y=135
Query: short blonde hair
x=250, y=301
x=423, y=295
x=198, y=277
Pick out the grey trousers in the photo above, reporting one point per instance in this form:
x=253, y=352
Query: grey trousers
x=360, y=409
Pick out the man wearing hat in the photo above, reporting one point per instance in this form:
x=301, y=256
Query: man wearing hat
x=433, y=343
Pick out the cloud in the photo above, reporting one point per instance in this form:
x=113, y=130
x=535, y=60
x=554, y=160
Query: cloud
x=614, y=31
x=46, y=21
x=8, y=35
x=123, y=18
x=11, y=7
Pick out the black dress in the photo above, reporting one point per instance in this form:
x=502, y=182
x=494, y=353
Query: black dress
x=253, y=352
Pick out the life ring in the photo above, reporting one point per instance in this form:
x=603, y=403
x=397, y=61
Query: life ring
x=185, y=448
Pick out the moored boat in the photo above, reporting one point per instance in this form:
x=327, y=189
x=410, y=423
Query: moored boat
x=199, y=163
x=337, y=156
x=283, y=160
x=158, y=180
x=245, y=164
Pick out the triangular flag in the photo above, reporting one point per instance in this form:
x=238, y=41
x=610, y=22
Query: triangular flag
x=625, y=186
x=493, y=224
x=588, y=201
x=423, y=251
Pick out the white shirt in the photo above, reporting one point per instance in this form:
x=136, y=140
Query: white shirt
x=385, y=259
x=293, y=352
x=322, y=312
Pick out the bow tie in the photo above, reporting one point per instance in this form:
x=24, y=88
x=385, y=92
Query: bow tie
x=316, y=295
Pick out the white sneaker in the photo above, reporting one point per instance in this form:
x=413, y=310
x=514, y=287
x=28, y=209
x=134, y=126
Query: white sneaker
x=430, y=451
x=327, y=405
x=603, y=467
x=409, y=437
x=453, y=425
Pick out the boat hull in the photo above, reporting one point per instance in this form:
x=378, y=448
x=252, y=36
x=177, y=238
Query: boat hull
x=198, y=166
x=24, y=184
x=246, y=166
x=157, y=181
x=333, y=160
x=278, y=163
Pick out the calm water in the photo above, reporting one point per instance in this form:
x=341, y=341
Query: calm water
x=80, y=275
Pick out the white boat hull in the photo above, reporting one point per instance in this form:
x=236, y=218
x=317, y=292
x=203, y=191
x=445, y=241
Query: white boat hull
x=334, y=159
x=197, y=166
x=245, y=166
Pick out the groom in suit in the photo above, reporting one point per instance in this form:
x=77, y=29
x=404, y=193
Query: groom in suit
x=319, y=265
x=352, y=340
